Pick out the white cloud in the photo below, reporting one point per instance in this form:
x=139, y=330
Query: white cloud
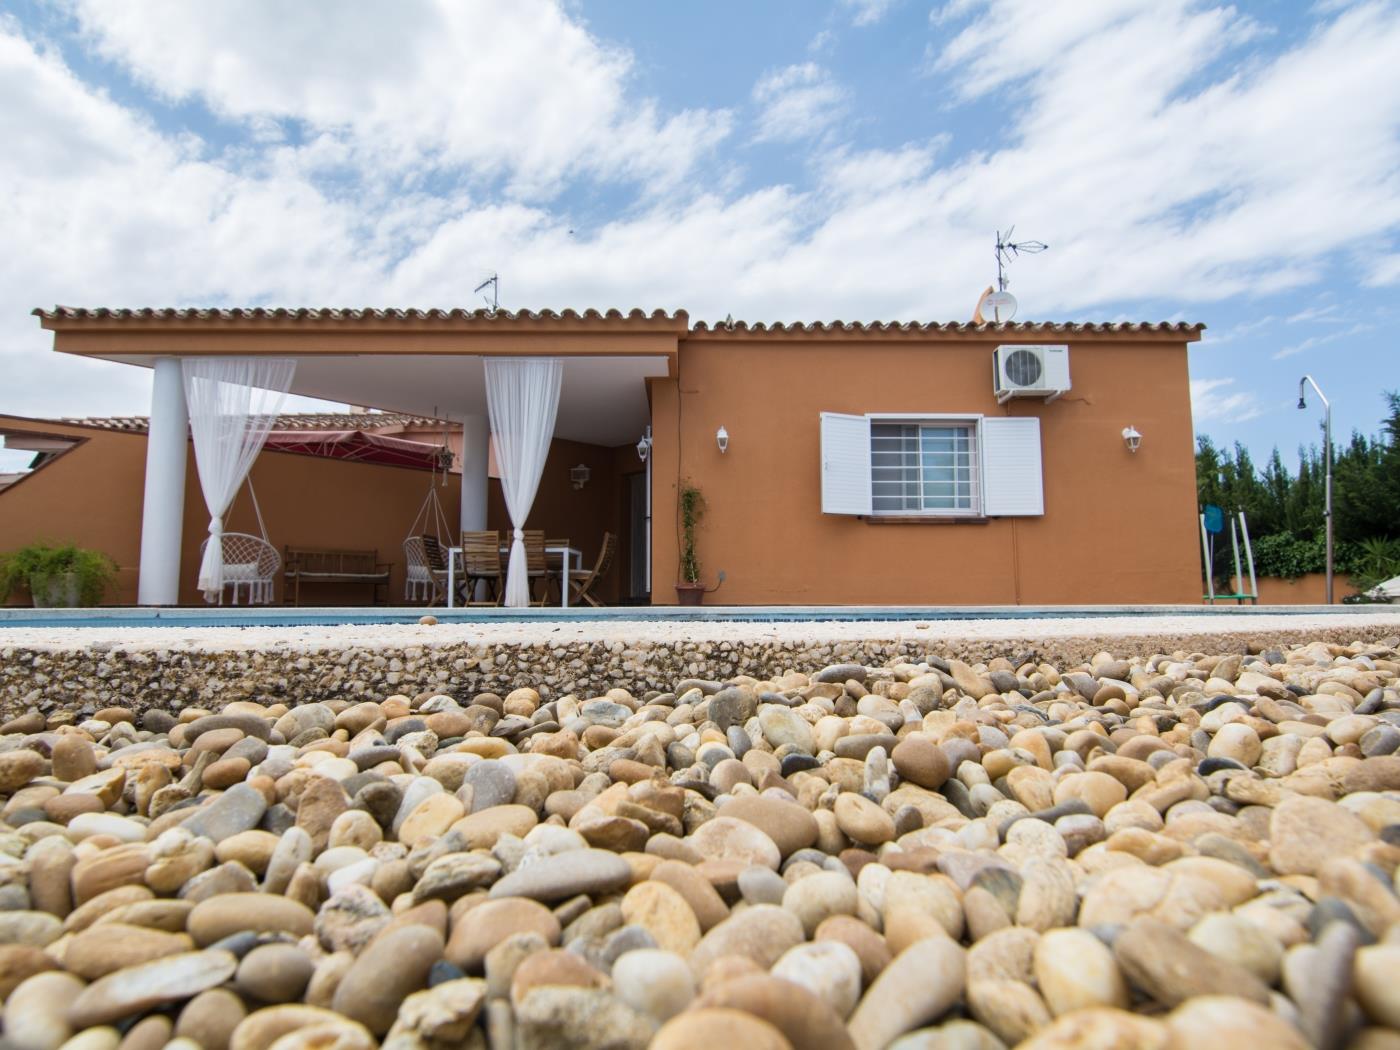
x=798, y=102
x=518, y=90
x=1384, y=271
x=868, y=12
x=1313, y=342
x=1214, y=400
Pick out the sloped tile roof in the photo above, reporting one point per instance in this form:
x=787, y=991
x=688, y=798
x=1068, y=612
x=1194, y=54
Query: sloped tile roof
x=286, y=421
x=278, y=313
x=1010, y=327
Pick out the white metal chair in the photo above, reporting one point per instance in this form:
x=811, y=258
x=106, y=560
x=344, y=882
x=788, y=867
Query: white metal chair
x=249, y=562
x=421, y=583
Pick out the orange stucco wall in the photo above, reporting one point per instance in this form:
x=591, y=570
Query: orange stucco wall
x=1118, y=527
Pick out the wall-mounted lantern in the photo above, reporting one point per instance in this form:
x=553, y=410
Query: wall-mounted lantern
x=722, y=439
x=1131, y=438
x=579, y=475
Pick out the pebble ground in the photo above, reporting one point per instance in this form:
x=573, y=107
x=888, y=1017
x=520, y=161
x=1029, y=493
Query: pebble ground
x=1143, y=849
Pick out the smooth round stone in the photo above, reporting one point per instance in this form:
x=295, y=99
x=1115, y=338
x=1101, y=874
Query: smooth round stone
x=110, y=946
x=653, y=981
x=780, y=726
x=1237, y=940
x=395, y=964
x=1376, y=988
x=1380, y=740
x=553, y=967
x=1101, y=1026
x=712, y=1027
x=804, y=1019
x=918, y=986
x=140, y=988
x=483, y=927
x=725, y=838
x=492, y=784
x=1306, y=832
x=790, y=826
x=862, y=820
x=830, y=970
x=760, y=932
x=262, y=1028
x=919, y=760
x=274, y=973
x=210, y=1018
x=1099, y=791
x=73, y=758
x=1161, y=961
x=1236, y=741
x=36, y=929
x=815, y=898
x=566, y=875
x=1074, y=970
x=19, y=962
x=1227, y=1020
x=760, y=885
x=36, y=1012
x=580, y=1017
x=664, y=914
x=230, y=913
x=120, y=828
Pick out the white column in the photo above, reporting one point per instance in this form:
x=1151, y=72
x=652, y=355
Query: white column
x=476, y=440
x=163, y=508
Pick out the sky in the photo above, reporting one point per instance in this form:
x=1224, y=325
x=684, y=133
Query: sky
x=777, y=160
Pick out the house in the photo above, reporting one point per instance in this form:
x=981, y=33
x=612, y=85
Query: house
x=840, y=464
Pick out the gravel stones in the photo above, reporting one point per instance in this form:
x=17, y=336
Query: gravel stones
x=912, y=854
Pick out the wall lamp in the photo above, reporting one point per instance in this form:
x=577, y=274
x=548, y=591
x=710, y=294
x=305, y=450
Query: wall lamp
x=579, y=475
x=644, y=446
x=1131, y=438
x=722, y=439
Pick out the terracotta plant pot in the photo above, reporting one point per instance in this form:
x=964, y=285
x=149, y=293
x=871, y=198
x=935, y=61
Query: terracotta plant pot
x=690, y=593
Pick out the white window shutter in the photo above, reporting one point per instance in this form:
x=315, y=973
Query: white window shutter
x=845, y=464
x=1011, y=471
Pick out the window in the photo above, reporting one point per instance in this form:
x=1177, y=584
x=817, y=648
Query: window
x=924, y=468
x=931, y=466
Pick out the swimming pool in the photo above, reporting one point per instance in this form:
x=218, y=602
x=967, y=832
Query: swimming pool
x=265, y=616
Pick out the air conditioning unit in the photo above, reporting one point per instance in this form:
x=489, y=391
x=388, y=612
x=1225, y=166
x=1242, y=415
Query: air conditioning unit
x=1030, y=371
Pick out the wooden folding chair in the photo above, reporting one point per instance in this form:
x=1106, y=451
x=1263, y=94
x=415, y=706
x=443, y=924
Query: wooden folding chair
x=584, y=582
x=536, y=569
x=481, y=563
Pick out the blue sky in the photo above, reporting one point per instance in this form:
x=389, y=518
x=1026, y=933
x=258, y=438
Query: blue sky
x=818, y=159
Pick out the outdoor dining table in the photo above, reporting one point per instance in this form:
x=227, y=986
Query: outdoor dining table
x=570, y=561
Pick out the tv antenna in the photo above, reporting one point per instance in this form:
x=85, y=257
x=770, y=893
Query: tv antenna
x=1007, y=249
x=1000, y=305
x=495, y=282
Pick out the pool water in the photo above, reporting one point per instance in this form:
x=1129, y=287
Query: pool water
x=265, y=616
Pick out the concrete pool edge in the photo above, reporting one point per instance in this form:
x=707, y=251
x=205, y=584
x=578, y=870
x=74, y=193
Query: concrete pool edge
x=178, y=667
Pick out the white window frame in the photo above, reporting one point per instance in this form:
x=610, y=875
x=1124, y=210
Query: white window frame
x=972, y=419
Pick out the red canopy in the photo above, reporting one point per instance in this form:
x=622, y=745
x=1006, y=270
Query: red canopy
x=359, y=445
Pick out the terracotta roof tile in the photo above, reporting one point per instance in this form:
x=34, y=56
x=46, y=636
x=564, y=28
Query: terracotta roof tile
x=356, y=314
x=1019, y=327
x=285, y=421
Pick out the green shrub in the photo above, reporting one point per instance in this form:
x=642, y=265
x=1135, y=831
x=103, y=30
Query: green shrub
x=36, y=566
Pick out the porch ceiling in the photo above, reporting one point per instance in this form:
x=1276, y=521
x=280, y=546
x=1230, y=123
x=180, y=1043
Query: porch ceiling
x=603, y=401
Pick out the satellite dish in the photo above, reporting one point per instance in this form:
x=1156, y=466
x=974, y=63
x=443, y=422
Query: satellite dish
x=999, y=306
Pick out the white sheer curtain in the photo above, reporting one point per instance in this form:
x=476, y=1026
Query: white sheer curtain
x=522, y=397
x=233, y=403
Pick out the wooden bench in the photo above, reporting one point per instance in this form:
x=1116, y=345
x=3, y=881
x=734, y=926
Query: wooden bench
x=318, y=565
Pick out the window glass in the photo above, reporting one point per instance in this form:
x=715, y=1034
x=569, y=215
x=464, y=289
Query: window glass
x=923, y=468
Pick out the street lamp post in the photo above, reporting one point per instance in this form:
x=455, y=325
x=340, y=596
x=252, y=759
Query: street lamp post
x=1327, y=462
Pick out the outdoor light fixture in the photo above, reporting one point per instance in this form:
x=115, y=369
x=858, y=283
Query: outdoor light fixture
x=644, y=446
x=722, y=439
x=1327, y=460
x=579, y=475
x=1131, y=437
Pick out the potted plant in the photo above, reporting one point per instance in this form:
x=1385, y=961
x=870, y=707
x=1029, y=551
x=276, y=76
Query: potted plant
x=690, y=591
x=57, y=577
